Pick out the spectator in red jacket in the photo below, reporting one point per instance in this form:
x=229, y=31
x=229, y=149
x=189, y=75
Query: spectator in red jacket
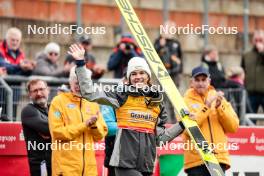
x=12, y=58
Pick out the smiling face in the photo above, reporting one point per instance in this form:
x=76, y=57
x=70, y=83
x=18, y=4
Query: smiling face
x=139, y=78
x=200, y=83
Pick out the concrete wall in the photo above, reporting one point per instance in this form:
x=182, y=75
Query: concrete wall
x=21, y=13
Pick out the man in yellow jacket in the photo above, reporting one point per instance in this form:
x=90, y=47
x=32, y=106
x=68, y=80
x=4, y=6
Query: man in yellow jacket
x=75, y=124
x=215, y=117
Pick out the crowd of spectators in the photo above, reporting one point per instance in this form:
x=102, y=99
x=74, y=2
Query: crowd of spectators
x=47, y=63
x=241, y=78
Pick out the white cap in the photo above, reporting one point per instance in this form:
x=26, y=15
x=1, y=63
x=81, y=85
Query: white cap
x=137, y=63
x=52, y=47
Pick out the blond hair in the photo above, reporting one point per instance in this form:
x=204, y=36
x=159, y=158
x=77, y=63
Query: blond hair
x=234, y=71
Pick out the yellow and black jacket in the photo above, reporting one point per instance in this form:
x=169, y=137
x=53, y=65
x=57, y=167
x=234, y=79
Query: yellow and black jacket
x=141, y=127
x=74, y=153
x=214, y=123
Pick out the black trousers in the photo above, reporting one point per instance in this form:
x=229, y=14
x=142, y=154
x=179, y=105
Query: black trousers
x=111, y=171
x=130, y=172
x=35, y=169
x=202, y=170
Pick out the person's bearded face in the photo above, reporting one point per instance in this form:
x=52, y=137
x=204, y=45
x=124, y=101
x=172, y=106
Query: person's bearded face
x=39, y=93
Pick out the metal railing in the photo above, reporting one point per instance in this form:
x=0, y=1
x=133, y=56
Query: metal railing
x=13, y=94
x=238, y=99
x=250, y=118
x=9, y=98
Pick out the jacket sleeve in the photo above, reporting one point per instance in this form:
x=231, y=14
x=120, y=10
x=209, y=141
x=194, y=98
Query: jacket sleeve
x=11, y=69
x=164, y=134
x=168, y=134
x=109, y=118
x=227, y=117
x=87, y=89
x=58, y=129
x=99, y=130
x=31, y=118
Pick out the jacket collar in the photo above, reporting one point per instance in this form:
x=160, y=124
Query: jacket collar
x=71, y=96
x=9, y=51
x=192, y=94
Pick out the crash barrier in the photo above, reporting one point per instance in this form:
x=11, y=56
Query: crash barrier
x=246, y=148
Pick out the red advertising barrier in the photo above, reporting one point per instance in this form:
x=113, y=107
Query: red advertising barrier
x=246, y=141
x=13, y=155
x=250, y=141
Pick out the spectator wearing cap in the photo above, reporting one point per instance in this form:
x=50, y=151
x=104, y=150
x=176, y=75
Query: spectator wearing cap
x=215, y=117
x=47, y=62
x=12, y=58
x=253, y=64
x=97, y=70
x=210, y=60
x=122, y=53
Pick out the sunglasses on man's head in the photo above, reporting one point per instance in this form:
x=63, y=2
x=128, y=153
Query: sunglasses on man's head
x=53, y=54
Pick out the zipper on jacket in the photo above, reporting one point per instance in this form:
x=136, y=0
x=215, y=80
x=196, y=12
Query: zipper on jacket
x=83, y=139
x=210, y=129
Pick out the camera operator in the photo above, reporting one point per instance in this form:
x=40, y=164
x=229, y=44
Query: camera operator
x=122, y=53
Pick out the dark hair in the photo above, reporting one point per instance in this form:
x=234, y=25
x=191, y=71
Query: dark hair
x=149, y=80
x=34, y=81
